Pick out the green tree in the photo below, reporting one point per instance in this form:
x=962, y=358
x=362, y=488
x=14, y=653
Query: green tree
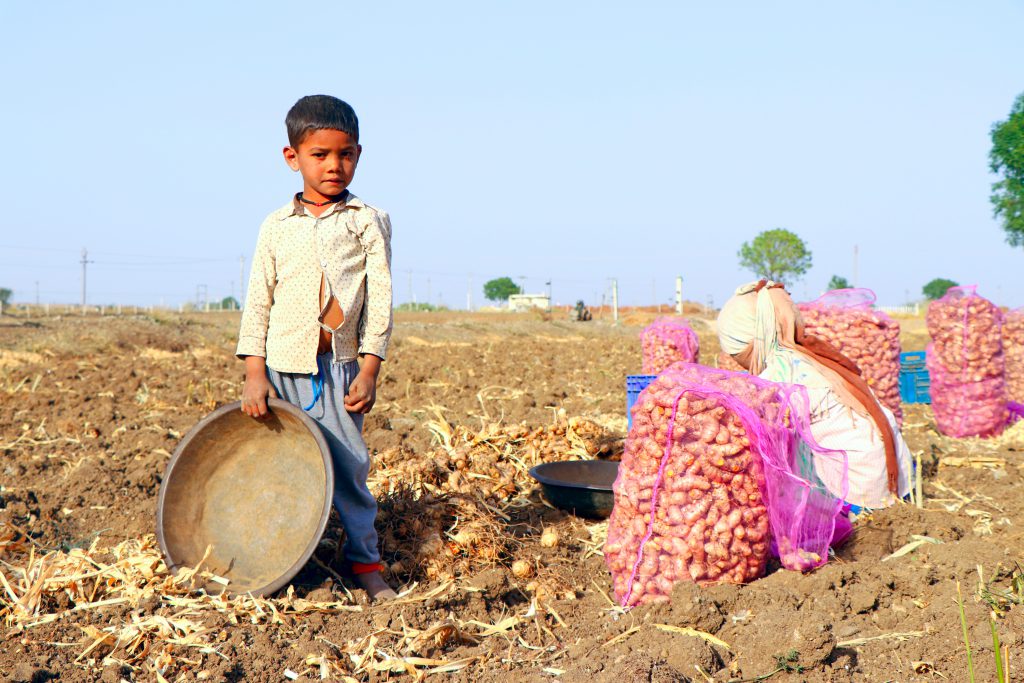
x=5, y=296
x=936, y=289
x=500, y=289
x=1007, y=159
x=838, y=282
x=229, y=303
x=776, y=254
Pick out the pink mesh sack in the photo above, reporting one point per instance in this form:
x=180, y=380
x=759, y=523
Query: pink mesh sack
x=667, y=341
x=870, y=338
x=1013, y=347
x=966, y=364
x=718, y=472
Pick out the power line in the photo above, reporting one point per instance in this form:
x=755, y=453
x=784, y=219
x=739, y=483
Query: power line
x=144, y=257
x=47, y=266
x=154, y=264
x=19, y=248
x=521, y=276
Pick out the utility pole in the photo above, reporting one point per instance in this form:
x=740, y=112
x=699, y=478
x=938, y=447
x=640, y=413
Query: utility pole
x=679, y=295
x=241, y=280
x=522, y=284
x=85, y=262
x=201, y=300
x=615, y=300
x=548, y=283
x=855, y=254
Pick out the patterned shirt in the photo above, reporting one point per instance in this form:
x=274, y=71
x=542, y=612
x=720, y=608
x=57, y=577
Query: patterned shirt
x=861, y=477
x=349, y=245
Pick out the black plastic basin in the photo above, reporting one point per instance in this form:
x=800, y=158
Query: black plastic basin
x=582, y=487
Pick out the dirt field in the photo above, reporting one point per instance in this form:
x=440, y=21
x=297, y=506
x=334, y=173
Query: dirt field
x=91, y=409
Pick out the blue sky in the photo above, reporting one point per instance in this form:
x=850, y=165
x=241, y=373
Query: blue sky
x=575, y=142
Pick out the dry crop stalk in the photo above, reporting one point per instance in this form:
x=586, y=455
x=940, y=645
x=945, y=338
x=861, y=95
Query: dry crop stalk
x=441, y=513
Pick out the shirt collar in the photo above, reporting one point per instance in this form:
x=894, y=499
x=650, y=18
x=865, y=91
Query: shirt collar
x=299, y=209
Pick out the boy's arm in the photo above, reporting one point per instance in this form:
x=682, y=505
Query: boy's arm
x=252, y=335
x=375, y=327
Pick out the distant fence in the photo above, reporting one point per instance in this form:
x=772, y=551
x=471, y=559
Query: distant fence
x=908, y=309
x=46, y=310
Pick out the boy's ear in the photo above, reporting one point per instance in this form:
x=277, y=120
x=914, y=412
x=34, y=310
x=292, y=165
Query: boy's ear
x=291, y=157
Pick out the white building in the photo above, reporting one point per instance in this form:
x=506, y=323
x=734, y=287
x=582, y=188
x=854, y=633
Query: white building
x=524, y=302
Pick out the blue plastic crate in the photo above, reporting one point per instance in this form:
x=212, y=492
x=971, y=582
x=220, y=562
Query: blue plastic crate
x=915, y=387
x=634, y=385
x=912, y=361
x=915, y=384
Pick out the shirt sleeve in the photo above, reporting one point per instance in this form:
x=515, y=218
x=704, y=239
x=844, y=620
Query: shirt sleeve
x=252, y=335
x=378, y=320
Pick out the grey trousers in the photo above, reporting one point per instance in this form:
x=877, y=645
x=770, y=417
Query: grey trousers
x=344, y=433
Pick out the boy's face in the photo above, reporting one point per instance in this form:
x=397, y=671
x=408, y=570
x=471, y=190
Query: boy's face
x=327, y=160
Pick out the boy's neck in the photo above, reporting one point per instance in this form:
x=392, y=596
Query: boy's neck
x=317, y=203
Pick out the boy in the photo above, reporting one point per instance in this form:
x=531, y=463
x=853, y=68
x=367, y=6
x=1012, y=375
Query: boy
x=319, y=296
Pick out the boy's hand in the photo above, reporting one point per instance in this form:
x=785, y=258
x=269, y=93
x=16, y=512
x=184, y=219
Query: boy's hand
x=362, y=394
x=257, y=388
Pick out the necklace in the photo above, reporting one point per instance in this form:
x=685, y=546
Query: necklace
x=329, y=201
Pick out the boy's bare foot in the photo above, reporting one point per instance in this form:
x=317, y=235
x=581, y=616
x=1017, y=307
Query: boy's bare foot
x=375, y=586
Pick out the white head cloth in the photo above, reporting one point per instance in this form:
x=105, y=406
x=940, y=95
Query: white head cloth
x=749, y=319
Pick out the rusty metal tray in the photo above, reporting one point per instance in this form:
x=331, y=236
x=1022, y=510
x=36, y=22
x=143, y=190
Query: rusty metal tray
x=258, y=493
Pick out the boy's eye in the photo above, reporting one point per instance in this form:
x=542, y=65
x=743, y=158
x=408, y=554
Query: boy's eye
x=319, y=155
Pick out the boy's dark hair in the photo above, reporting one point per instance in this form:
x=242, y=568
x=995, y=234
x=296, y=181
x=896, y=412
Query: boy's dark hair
x=316, y=112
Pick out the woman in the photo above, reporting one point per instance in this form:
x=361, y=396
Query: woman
x=762, y=329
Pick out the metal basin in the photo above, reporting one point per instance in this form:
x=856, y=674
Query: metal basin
x=582, y=487
x=257, y=492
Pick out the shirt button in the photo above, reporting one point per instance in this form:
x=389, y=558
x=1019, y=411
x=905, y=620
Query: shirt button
x=324, y=263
